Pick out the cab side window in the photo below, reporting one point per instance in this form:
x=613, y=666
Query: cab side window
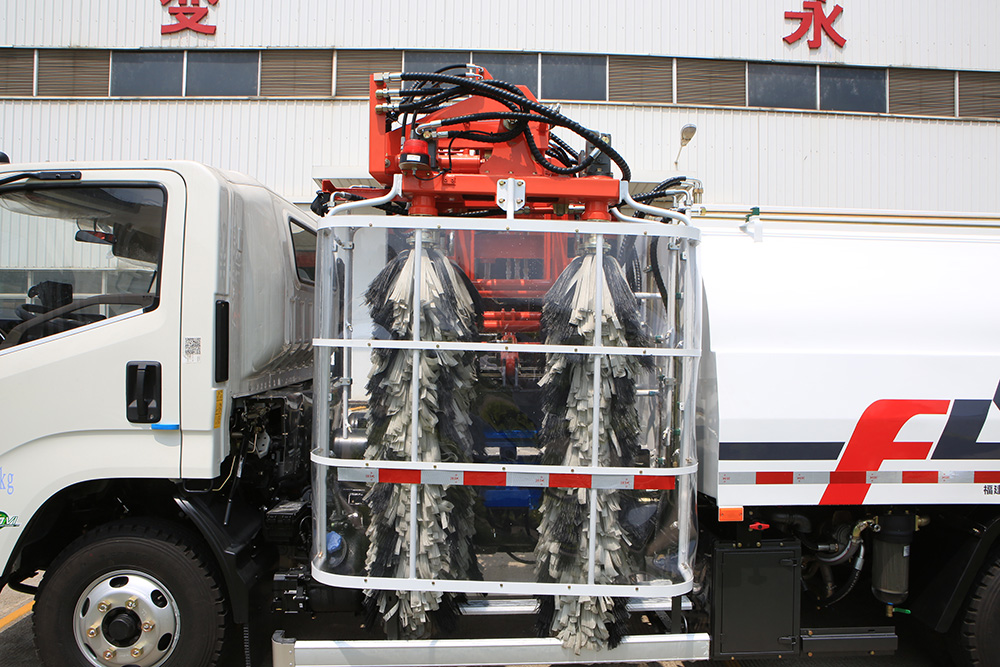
x=72, y=256
x=304, y=247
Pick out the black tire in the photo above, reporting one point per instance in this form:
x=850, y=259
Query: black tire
x=977, y=629
x=145, y=574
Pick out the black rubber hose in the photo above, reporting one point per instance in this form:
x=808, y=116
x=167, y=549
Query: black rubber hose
x=852, y=580
x=432, y=100
x=559, y=154
x=668, y=184
x=502, y=93
x=654, y=263
x=417, y=92
x=492, y=137
x=507, y=136
x=566, y=147
x=503, y=85
x=554, y=168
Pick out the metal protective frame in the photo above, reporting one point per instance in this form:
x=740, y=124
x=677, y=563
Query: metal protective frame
x=324, y=344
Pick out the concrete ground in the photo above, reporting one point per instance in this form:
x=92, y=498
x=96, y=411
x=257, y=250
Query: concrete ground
x=17, y=646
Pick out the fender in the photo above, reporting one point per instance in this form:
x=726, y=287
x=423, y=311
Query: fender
x=233, y=545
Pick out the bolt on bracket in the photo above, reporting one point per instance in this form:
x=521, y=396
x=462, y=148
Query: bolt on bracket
x=510, y=195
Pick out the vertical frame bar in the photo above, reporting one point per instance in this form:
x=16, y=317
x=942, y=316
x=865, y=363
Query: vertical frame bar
x=418, y=248
x=325, y=309
x=595, y=442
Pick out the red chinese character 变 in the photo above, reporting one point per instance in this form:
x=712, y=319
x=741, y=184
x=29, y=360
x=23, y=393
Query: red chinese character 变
x=188, y=17
x=814, y=16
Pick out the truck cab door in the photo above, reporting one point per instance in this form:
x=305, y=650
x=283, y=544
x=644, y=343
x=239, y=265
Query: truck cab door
x=90, y=275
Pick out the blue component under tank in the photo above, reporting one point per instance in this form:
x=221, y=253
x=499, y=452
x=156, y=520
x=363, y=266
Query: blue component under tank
x=512, y=497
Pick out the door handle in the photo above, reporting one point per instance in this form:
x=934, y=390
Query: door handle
x=142, y=392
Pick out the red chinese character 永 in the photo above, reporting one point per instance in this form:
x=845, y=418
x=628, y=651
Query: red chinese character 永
x=814, y=16
x=188, y=15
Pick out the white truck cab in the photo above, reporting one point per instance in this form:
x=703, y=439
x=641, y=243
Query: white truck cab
x=137, y=301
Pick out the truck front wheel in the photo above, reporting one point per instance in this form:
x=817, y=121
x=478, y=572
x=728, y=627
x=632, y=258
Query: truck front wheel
x=130, y=593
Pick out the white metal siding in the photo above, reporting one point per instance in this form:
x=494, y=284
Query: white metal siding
x=902, y=33
x=743, y=156
x=276, y=142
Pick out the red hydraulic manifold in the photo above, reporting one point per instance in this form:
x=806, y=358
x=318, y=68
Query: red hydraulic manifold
x=455, y=155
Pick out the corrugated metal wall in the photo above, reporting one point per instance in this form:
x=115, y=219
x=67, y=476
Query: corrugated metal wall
x=277, y=142
x=914, y=33
x=743, y=156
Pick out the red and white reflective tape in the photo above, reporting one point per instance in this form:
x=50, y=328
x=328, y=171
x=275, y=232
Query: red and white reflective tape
x=861, y=477
x=521, y=479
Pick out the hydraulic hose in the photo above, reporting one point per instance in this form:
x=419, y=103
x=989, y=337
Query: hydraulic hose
x=501, y=93
x=850, y=548
x=566, y=147
x=852, y=580
x=507, y=136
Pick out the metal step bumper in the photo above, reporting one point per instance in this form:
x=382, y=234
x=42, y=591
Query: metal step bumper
x=288, y=652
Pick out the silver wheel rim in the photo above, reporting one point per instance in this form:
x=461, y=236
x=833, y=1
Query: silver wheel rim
x=126, y=618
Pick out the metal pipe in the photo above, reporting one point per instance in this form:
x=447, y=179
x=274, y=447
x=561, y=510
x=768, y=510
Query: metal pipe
x=650, y=210
x=348, y=358
x=323, y=357
x=394, y=191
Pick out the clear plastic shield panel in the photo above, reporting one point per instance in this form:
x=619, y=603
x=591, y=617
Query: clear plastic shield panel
x=528, y=429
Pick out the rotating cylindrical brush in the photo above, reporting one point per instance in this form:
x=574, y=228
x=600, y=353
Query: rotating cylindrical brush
x=449, y=310
x=563, y=552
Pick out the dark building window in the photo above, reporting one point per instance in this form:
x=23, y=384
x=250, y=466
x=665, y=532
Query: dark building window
x=851, y=89
x=222, y=73
x=574, y=77
x=517, y=68
x=431, y=61
x=782, y=86
x=147, y=73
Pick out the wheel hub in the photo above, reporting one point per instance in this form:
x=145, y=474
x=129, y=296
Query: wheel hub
x=122, y=627
x=126, y=618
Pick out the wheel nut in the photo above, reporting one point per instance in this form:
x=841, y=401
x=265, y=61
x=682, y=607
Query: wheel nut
x=103, y=607
x=92, y=632
x=136, y=652
x=131, y=604
x=148, y=626
x=110, y=654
